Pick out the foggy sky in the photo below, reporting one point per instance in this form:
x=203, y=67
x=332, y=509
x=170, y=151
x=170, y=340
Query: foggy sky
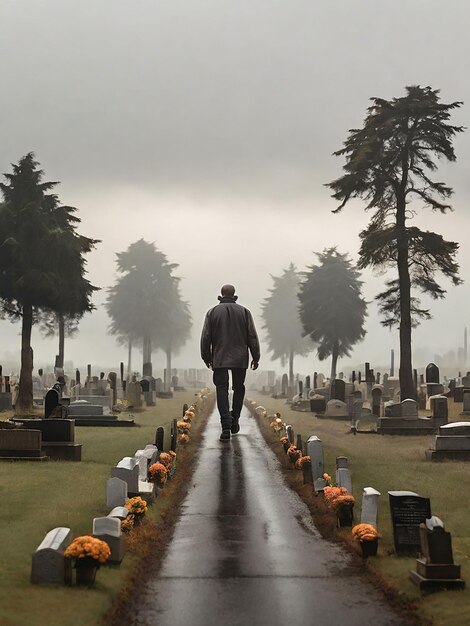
x=208, y=126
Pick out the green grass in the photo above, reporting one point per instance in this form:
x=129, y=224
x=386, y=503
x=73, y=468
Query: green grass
x=38, y=496
x=398, y=463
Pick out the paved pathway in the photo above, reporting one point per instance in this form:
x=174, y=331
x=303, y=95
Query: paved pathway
x=245, y=551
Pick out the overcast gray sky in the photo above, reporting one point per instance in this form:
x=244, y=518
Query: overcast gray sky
x=207, y=126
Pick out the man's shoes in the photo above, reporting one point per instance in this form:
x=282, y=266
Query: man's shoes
x=225, y=435
x=235, y=428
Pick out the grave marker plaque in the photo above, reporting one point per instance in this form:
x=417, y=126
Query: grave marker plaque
x=408, y=510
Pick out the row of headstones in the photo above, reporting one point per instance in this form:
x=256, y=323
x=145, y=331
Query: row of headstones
x=414, y=527
x=128, y=478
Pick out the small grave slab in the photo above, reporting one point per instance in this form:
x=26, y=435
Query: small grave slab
x=108, y=529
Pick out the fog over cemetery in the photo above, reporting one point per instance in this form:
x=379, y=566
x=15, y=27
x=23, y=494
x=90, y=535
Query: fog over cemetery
x=313, y=156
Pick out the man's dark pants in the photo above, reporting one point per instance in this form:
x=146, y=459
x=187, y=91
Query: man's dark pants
x=220, y=379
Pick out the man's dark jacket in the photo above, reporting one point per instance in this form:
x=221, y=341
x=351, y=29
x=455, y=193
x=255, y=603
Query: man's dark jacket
x=228, y=333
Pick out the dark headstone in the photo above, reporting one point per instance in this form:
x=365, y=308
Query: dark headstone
x=174, y=435
x=145, y=384
x=408, y=510
x=318, y=404
x=338, y=389
x=315, y=382
x=51, y=401
x=77, y=376
x=300, y=387
x=7, y=384
x=299, y=443
x=185, y=408
x=284, y=384
x=376, y=401
x=159, y=438
x=432, y=373
x=121, y=371
x=353, y=376
x=112, y=377
x=307, y=382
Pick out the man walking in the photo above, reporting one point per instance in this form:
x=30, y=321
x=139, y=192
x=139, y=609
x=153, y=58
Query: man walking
x=228, y=333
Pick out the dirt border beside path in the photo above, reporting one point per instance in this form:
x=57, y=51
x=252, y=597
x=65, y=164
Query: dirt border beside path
x=153, y=539
x=326, y=523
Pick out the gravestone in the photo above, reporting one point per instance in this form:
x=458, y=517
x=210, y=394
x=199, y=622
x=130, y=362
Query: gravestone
x=408, y=510
x=134, y=394
x=116, y=492
x=432, y=373
x=299, y=443
x=370, y=505
x=435, y=569
x=112, y=377
x=317, y=403
x=452, y=443
x=128, y=470
x=19, y=443
x=284, y=384
x=440, y=411
x=48, y=561
x=119, y=511
x=51, y=402
x=376, y=394
x=338, y=388
x=343, y=475
x=159, y=438
x=315, y=452
x=108, y=529
x=409, y=408
x=466, y=402
x=336, y=409
x=173, y=435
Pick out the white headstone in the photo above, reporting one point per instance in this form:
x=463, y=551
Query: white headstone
x=336, y=408
x=128, y=470
x=370, y=505
x=48, y=562
x=119, y=511
x=116, y=492
x=107, y=526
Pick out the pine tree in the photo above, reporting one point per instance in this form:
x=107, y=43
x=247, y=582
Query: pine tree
x=389, y=164
x=332, y=310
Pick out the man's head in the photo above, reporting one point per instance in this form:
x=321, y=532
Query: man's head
x=228, y=291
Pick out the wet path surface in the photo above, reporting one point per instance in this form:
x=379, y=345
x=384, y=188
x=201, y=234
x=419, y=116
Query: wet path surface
x=245, y=551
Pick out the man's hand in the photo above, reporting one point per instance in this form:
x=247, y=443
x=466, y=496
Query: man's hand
x=254, y=365
x=209, y=365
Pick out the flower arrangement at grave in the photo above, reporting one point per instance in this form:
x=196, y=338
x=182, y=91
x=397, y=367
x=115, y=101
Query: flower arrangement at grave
x=303, y=462
x=137, y=506
x=158, y=474
x=345, y=500
x=183, y=438
x=285, y=442
x=365, y=532
x=188, y=415
x=88, y=547
x=122, y=405
x=327, y=478
x=261, y=411
x=183, y=427
x=127, y=524
x=330, y=494
x=277, y=425
x=294, y=454
x=166, y=459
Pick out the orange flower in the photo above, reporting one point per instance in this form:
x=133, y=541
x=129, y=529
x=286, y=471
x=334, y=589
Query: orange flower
x=365, y=532
x=166, y=459
x=158, y=474
x=88, y=546
x=183, y=438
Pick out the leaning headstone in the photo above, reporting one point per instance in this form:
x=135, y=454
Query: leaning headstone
x=408, y=510
x=48, y=562
x=119, y=511
x=435, y=569
x=370, y=505
x=108, y=529
x=116, y=492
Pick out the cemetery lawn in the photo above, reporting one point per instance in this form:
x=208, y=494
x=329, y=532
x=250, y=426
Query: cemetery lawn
x=388, y=463
x=39, y=496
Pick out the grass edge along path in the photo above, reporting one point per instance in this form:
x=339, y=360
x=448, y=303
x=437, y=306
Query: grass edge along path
x=386, y=463
x=40, y=496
